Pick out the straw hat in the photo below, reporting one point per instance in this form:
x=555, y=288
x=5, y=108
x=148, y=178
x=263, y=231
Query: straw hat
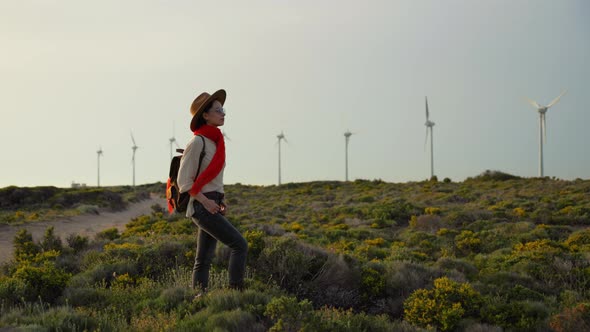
x=202, y=101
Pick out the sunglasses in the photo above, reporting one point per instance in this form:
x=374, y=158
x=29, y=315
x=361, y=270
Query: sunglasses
x=220, y=110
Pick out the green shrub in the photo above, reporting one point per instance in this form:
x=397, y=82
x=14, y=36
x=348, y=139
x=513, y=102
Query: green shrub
x=108, y=234
x=522, y=293
x=442, y=307
x=494, y=176
x=24, y=247
x=88, y=209
x=579, y=240
x=339, y=320
x=45, y=281
x=460, y=265
x=467, y=242
x=52, y=319
x=156, y=260
x=372, y=280
x=502, y=282
x=428, y=222
x=12, y=290
x=336, y=284
x=402, y=279
x=50, y=241
x=126, y=293
x=231, y=321
x=518, y=315
x=288, y=263
x=77, y=242
x=103, y=273
x=84, y=297
x=171, y=298
x=227, y=300
x=255, y=239
x=288, y=314
x=69, y=262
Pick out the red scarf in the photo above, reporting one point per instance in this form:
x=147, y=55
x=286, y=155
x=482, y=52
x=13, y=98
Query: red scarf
x=216, y=164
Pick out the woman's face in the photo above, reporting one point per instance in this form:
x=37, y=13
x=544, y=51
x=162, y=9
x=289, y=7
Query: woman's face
x=215, y=116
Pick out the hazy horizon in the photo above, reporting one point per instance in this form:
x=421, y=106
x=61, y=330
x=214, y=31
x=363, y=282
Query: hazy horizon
x=76, y=76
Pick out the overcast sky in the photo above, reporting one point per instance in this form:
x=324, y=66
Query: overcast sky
x=76, y=75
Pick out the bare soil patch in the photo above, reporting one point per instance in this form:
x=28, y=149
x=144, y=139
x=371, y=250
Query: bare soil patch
x=87, y=225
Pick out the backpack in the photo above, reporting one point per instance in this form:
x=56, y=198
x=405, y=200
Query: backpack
x=177, y=201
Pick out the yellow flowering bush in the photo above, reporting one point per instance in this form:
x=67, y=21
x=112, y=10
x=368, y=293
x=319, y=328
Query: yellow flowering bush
x=432, y=210
x=535, y=250
x=443, y=306
x=467, y=241
x=295, y=227
x=519, y=212
x=375, y=242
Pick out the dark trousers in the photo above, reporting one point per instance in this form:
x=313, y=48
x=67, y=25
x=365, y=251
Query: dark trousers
x=213, y=228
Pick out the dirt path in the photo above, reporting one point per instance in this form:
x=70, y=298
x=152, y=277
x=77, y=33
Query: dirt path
x=87, y=225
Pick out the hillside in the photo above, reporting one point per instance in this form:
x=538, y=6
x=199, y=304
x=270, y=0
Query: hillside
x=30, y=204
x=492, y=253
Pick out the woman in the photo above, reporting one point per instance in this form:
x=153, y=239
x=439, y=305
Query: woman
x=206, y=206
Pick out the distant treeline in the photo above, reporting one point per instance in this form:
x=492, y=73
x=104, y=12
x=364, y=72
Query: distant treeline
x=32, y=198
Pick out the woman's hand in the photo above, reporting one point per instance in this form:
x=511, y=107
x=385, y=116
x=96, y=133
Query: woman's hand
x=208, y=204
x=211, y=206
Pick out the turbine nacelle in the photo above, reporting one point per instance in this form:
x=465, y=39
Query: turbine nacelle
x=134, y=147
x=544, y=109
x=429, y=123
x=281, y=136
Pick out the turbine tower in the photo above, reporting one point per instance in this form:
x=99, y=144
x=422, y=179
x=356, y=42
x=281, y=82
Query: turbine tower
x=99, y=153
x=280, y=137
x=543, y=127
x=171, y=140
x=347, y=135
x=429, y=125
x=134, y=147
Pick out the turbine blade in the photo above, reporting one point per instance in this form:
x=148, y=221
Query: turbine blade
x=532, y=102
x=554, y=101
x=133, y=139
x=175, y=142
x=427, y=113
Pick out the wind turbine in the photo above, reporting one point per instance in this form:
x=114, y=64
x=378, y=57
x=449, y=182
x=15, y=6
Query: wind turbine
x=172, y=140
x=543, y=126
x=347, y=135
x=99, y=153
x=134, y=147
x=280, y=137
x=429, y=125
